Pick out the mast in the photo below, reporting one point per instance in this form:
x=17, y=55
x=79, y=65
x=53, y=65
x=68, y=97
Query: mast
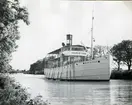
x=92, y=34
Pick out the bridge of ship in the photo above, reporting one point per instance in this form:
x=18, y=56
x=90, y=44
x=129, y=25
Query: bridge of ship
x=66, y=55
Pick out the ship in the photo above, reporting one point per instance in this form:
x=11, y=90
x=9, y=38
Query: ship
x=76, y=62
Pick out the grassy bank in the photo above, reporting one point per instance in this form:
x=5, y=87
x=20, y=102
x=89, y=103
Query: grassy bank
x=121, y=74
x=12, y=93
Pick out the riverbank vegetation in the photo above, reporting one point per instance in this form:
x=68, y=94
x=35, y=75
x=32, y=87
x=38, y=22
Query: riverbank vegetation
x=121, y=74
x=122, y=55
x=37, y=67
x=11, y=93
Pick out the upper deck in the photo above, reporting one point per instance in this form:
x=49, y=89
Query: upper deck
x=66, y=55
x=74, y=50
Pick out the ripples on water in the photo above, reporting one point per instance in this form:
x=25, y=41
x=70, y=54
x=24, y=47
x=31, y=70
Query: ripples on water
x=114, y=92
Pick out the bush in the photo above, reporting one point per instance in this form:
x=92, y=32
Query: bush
x=11, y=93
x=121, y=74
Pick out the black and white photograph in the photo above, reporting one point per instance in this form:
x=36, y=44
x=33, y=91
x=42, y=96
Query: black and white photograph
x=65, y=52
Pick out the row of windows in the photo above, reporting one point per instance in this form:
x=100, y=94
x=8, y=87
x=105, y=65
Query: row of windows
x=77, y=49
x=90, y=62
x=74, y=49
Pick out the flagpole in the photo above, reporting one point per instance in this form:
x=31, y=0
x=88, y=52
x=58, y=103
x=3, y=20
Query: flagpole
x=92, y=33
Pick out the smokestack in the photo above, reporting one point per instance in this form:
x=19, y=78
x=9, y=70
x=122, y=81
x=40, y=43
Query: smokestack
x=69, y=39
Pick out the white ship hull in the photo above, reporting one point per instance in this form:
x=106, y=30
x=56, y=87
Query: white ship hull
x=97, y=69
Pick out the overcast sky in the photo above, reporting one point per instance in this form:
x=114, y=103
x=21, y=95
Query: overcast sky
x=51, y=20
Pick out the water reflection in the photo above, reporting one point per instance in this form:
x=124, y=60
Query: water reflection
x=121, y=92
x=114, y=92
x=91, y=93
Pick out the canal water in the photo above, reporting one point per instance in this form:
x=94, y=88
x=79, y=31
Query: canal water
x=114, y=92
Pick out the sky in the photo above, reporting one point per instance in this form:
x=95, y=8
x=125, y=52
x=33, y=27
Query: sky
x=51, y=20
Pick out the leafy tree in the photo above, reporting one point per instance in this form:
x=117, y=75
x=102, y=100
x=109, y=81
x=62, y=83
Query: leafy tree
x=122, y=52
x=116, y=52
x=37, y=67
x=12, y=93
x=127, y=52
x=10, y=14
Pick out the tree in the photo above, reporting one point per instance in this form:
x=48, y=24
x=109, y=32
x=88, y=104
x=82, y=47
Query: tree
x=38, y=66
x=100, y=50
x=10, y=14
x=122, y=52
x=116, y=52
x=127, y=52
